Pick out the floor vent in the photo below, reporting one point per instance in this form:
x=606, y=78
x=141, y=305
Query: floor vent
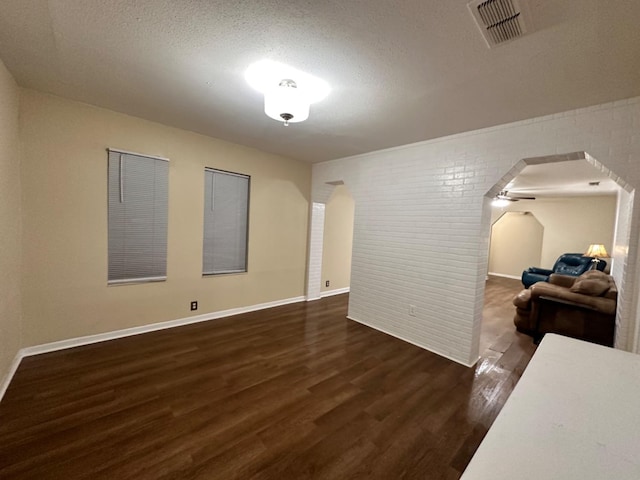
x=500, y=21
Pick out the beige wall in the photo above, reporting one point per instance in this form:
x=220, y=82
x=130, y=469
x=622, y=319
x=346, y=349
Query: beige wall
x=338, y=239
x=65, y=291
x=516, y=243
x=570, y=224
x=10, y=218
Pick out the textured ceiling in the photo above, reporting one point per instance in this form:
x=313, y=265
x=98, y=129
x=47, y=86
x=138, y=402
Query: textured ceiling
x=562, y=179
x=401, y=72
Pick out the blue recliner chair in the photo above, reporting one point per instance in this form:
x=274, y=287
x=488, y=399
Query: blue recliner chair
x=574, y=264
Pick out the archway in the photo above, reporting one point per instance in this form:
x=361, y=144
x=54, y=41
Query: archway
x=337, y=242
x=621, y=262
x=330, y=241
x=515, y=244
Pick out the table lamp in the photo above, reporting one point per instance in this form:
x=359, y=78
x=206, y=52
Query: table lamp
x=597, y=251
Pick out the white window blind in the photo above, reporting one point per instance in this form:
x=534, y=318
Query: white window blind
x=138, y=212
x=226, y=210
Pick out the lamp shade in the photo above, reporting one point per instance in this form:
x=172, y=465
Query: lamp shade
x=596, y=251
x=286, y=103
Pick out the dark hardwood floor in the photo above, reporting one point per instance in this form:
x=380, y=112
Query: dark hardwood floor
x=293, y=392
x=497, y=316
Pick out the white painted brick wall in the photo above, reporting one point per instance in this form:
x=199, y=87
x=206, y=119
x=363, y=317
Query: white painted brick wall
x=419, y=234
x=620, y=264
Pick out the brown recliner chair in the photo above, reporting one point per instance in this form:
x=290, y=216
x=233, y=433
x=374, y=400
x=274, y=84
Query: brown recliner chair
x=581, y=307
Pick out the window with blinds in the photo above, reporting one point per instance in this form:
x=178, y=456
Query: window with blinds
x=138, y=212
x=226, y=221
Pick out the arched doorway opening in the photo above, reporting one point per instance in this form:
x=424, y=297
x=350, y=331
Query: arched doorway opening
x=331, y=242
x=564, y=238
x=337, y=242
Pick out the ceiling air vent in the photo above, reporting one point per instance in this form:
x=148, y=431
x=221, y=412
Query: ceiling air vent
x=500, y=21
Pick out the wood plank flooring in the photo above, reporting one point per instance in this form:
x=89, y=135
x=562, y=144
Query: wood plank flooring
x=292, y=392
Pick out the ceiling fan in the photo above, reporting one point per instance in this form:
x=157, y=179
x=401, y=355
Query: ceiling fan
x=504, y=195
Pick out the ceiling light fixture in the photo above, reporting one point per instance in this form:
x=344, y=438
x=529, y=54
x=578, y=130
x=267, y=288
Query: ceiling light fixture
x=500, y=202
x=286, y=103
x=288, y=92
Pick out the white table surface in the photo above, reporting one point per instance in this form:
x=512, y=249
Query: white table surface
x=574, y=414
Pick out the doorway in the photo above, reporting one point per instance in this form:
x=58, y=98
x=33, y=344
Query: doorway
x=577, y=204
x=337, y=242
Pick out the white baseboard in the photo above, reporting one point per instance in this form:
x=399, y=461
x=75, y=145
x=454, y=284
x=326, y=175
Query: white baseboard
x=127, y=332
x=12, y=371
x=504, y=275
x=152, y=327
x=337, y=291
x=413, y=343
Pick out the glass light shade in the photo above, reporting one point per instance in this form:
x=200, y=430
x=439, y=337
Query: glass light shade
x=597, y=251
x=283, y=99
x=266, y=74
x=500, y=202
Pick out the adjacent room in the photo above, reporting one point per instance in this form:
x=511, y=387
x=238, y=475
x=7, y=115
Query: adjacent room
x=258, y=240
x=546, y=211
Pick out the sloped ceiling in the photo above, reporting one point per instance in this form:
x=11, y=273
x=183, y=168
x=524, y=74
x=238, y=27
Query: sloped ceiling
x=401, y=72
x=562, y=179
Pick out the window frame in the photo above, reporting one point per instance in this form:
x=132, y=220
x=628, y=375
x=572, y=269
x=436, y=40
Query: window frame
x=136, y=280
x=248, y=208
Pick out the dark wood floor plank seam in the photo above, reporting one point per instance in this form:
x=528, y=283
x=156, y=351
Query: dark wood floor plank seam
x=297, y=391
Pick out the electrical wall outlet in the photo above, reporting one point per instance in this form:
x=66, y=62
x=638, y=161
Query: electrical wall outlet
x=194, y=305
x=412, y=310
x=326, y=284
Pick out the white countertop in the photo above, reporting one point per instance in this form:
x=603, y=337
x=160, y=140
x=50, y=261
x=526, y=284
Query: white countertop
x=575, y=414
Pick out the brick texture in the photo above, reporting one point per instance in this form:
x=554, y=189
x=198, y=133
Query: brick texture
x=421, y=226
